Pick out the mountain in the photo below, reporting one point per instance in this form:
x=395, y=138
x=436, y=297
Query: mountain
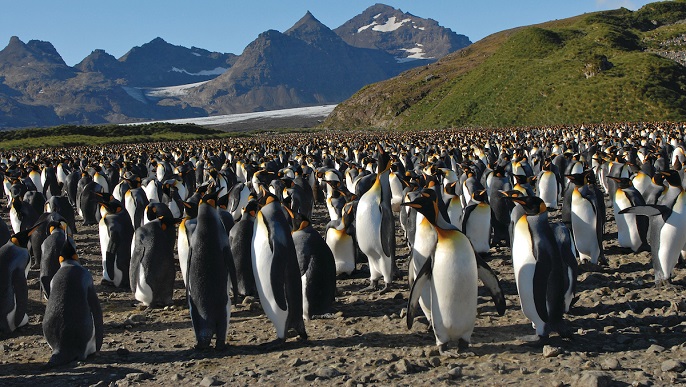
x=400, y=34
x=600, y=67
x=306, y=65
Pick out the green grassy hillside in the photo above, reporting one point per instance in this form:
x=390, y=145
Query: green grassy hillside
x=599, y=67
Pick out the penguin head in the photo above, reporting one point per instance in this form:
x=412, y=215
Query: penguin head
x=623, y=182
x=251, y=208
x=426, y=203
x=56, y=225
x=209, y=199
x=112, y=206
x=21, y=238
x=578, y=179
x=671, y=177
x=298, y=221
x=68, y=252
x=480, y=196
x=533, y=205
x=521, y=179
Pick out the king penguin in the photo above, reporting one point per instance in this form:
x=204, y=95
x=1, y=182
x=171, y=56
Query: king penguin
x=340, y=237
x=275, y=266
x=476, y=222
x=51, y=249
x=116, y=233
x=14, y=291
x=240, y=241
x=632, y=229
x=152, y=268
x=73, y=323
x=584, y=214
x=317, y=267
x=208, y=285
x=375, y=228
x=451, y=275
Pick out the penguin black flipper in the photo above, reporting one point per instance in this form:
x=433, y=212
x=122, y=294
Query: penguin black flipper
x=231, y=265
x=423, y=277
x=111, y=252
x=387, y=231
x=490, y=280
x=465, y=217
x=277, y=276
x=541, y=274
x=21, y=291
x=648, y=210
x=96, y=312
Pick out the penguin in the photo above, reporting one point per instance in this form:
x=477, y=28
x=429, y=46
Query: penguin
x=87, y=202
x=135, y=201
x=152, y=269
x=340, y=237
x=476, y=222
x=208, y=284
x=451, y=275
x=4, y=232
x=570, y=267
x=61, y=205
x=632, y=230
x=667, y=224
x=238, y=199
x=538, y=268
x=275, y=266
x=548, y=185
x=500, y=208
x=36, y=200
x=583, y=209
x=22, y=215
x=186, y=230
x=317, y=267
x=73, y=321
x=375, y=227
x=116, y=234
x=51, y=248
x=240, y=242
x=14, y=291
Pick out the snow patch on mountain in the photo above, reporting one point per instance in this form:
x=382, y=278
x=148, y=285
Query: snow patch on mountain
x=170, y=91
x=135, y=93
x=215, y=71
x=390, y=25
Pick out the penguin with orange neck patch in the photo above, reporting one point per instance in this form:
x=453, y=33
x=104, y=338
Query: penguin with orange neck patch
x=116, y=233
x=73, y=321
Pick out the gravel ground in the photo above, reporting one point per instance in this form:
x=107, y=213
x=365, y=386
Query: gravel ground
x=625, y=332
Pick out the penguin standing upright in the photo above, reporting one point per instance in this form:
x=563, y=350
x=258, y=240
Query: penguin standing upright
x=667, y=225
x=208, y=284
x=51, y=248
x=240, y=241
x=548, y=185
x=451, y=275
x=152, y=269
x=116, y=234
x=476, y=222
x=583, y=215
x=73, y=323
x=275, y=266
x=340, y=237
x=317, y=267
x=538, y=268
x=14, y=292
x=632, y=229
x=375, y=228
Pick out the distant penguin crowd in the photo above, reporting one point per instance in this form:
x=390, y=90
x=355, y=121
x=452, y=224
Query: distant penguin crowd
x=237, y=218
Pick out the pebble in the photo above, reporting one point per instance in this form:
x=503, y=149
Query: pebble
x=592, y=379
x=611, y=364
x=123, y=351
x=208, y=381
x=352, y=332
x=327, y=372
x=176, y=377
x=455, y=373
x=435, y=361
x=550, y=351
x=248, y=300
x=655, y=349
x=403, y=366
x=296, y=362
x=672, y=366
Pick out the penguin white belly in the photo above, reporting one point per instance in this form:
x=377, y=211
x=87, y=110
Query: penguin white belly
x=627, y=230
x=423, y=248
x=672, y=239
x=175, y=210
x=306, y=304
x=90, y=346
x=396, y=192
x=14, y=220
x=262, y=257
x=641, y=182
x=547, y=189
x=524, y=264
x=455, y=212
x=104, y=242
x=333, y=215
x=143, y=290
x=343, y=249
x=183, y=248
x=479, y=228
x=130, y=205
x=11, y=314
x=369, y=233
x=454, y=290
x=584, y=229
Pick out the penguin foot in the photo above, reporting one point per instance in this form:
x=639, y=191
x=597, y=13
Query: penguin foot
x=372, y=286
x=533, y=340
x=106, y=282
x=220, y=346
x=386, y=288
x=272, y=345
x=443, y=351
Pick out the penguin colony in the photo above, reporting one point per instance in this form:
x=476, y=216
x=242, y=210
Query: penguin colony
x=236, y=217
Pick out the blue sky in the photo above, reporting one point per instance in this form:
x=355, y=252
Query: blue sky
x=77, y=27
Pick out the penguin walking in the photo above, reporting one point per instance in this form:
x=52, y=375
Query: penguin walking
x=240, y=241
x=73, y=321
x=317, y=267
x=275, y=266
x=340, y=237
x=208, y=284
x=375, y=228
x=51, y=248
x=538, y=268
x=14, y=291
x=451, y=275
x=632, y=229
x=116, y=233
x=152, y=269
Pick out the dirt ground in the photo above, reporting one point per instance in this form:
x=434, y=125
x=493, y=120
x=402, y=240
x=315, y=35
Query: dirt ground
x=625, y=332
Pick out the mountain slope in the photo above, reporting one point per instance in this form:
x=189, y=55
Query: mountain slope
x=402, y=35
x=592, y=68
